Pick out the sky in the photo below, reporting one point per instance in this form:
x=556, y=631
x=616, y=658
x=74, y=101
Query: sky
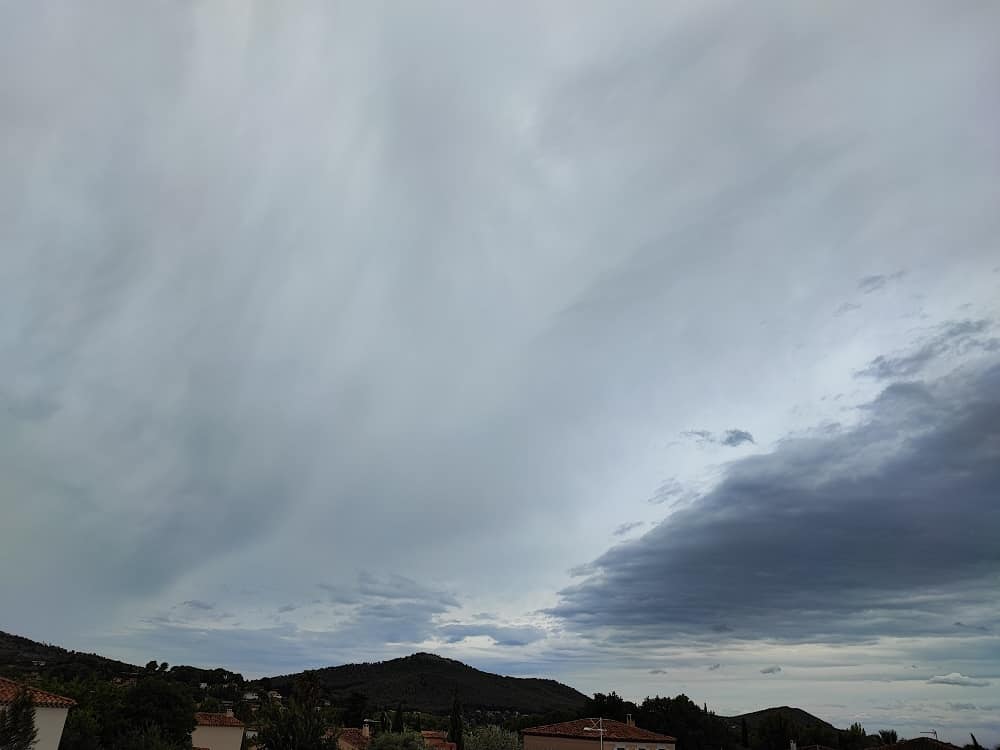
x=650, y=347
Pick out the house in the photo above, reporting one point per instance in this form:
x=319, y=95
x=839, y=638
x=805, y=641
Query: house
x=437, y=740
x=595, y=734
x=217, y=731
x=352, y=738
x=50, y=712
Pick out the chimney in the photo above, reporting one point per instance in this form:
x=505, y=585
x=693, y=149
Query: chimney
x=791, y=745
x=365, y=731
x=229, y=712
x=631, y=722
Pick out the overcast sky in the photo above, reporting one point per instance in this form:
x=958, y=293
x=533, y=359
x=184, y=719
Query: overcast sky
x=650, y=347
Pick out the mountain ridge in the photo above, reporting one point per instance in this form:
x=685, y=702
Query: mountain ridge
x=426, y=682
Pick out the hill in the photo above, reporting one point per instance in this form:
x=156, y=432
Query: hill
x=794, y=716
x=20, y=657
x=425, y=682
x=23, y=658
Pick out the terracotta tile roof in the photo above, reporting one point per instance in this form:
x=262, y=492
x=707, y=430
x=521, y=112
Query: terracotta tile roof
x=434, y=734
x=585, y=729
x=216, y=720
x=42, y=699
x=350, y=736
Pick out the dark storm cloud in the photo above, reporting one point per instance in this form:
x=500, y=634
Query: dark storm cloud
x=771, y=670
x=834, y=537
x=657, y=671
x=628, y=526
x=956, y=337
x=713, y=667
x=873, y=283
x=197, y=604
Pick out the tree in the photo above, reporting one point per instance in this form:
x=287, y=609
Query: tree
x=17, y=723
x=211, y=705
x=888, y=736
x=492, y=738
x=356, y=710
x=744, y=734
x=397, y=741
x=455, y=723
x=609, y=706
x=300, y=726
x=162, y=704
x=397, y=720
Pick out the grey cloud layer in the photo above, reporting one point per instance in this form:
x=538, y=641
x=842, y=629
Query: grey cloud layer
x=887, y=528
x=295, y=291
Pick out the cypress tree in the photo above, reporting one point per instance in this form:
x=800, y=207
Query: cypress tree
x=397, y=719
x=455, y=724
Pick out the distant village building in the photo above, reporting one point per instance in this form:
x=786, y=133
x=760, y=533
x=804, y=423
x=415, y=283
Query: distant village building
x=50, y=712
x=586, y=734
x=217, y=731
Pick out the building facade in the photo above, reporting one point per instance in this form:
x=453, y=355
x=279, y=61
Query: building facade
x=51, y=711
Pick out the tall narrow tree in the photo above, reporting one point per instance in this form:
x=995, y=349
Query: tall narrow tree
x=455, y=724
x=397, y=719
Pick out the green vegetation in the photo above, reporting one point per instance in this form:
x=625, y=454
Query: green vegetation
x=17, y=723
x=456, y=724
x=888, y=736
x=398, y=741
x=426, y=683
x=492, y=738
x=298, y=726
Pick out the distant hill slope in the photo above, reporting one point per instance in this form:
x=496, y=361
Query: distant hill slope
x=23, y=656
x=794, y=716
x=425, y=682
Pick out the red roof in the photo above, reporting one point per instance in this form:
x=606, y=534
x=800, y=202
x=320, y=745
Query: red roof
x=586, y=729
x=216, y=720
x=42, y=699
x=350, y=736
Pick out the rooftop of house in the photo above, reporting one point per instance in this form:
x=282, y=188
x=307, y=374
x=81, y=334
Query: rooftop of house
x=352, y=736
x=588, y=729
x=205, y=719
x=42, y=699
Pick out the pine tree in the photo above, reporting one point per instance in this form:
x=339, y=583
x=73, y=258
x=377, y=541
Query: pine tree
x=455, y=724
x=17, y=723
x=744, y=733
